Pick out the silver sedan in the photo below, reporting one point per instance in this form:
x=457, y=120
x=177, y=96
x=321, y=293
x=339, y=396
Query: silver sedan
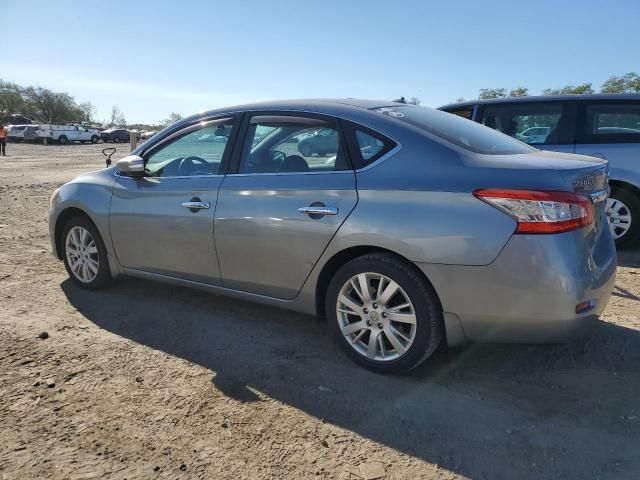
x=404, y=226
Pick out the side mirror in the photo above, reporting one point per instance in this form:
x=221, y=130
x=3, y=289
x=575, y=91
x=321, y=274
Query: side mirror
x=131, y=166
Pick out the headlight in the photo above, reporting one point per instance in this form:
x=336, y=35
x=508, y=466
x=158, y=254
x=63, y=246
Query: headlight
x=54, y=197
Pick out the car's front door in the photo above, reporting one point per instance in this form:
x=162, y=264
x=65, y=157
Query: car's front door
x=163, y=223
x=281, y=206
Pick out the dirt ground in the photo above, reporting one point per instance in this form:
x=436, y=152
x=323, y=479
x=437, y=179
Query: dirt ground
x=145, y=380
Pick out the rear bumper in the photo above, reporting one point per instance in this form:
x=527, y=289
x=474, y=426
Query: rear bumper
x=530, y=292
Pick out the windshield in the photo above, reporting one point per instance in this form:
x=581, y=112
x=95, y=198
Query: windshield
x=459, y=131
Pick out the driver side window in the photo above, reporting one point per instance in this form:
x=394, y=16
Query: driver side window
x=195, y=153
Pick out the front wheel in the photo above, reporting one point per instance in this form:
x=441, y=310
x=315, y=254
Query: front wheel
x=85, y=256
x=62, y=140
x=383, y=313
x=116, y=140
x=623, y=215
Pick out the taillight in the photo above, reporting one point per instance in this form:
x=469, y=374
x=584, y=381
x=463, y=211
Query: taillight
x=541, y=211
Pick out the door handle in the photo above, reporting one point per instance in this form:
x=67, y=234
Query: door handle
x=318, y=210
x=196, y=205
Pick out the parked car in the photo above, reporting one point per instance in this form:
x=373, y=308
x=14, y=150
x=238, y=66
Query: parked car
x=15, y=133
x=603, y=126
x=115, y=135
x=425, y=227
x=32, y=133
x=64, y=134
x=533, y=135
x=321, y=142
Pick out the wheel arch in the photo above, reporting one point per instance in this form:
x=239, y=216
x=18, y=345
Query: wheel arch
x=342, y=257
x=64, y=216
x=625, y=185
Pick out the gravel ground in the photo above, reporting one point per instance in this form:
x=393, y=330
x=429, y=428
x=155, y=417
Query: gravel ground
x=145, y=380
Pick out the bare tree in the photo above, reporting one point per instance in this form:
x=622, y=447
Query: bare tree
x=117, y=117
x=88, y=112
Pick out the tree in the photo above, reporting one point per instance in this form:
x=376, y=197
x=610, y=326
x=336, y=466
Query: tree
x=51, y=107
x=173, y=118
x=88, y=112
x=11, y=101
x=492, y=93
x=519, y=92
x=117, y=117
x=569, y=90
x=623, y=84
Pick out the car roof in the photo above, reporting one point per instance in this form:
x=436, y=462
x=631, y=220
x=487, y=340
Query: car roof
x=318, y=105
x=546, y=98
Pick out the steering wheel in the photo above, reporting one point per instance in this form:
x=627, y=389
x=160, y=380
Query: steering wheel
x=190, y=165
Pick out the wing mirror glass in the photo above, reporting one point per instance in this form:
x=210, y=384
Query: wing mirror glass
x=131, y=166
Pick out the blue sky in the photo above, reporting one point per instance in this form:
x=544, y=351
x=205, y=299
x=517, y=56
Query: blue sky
x=154, y=57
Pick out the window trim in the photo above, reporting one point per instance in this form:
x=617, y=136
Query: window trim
x=175, y=136
x=606, y=138
x=350, y=128
x=570, y=104
x=240, y=141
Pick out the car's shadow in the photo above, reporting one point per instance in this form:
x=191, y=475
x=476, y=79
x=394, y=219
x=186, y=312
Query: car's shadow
x=490, y=411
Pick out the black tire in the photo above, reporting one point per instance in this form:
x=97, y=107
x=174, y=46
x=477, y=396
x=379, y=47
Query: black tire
x=428, y=312
x=63, y=140
x=116, y=140
x=632, y=202
x=94, y=139
x=103, y=277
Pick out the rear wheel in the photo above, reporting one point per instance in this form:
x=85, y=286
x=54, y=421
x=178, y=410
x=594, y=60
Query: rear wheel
x=383, y=314
x=623, y=215
x=116, y=140
x=94, y=139
x=63, y=140
x=84, y=254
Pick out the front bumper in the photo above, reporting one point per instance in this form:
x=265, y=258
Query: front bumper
x=529, y=293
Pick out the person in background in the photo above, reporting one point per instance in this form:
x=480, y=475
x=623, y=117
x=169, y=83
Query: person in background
x=3, y=140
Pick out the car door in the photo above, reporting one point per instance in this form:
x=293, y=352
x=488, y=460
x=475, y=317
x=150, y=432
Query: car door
x=610, y=129
x=279, y=207
x=163, y=223
x=557, y=119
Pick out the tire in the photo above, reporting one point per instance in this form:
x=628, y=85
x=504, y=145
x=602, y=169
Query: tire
x=425, y=332
x=94, y=139
x=63, y=140
x=623, y=205
x=102, y=277
x=116, y=140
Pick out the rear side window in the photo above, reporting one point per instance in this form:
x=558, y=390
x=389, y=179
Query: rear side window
x=617, y=122
x=536, y=123
x=460, y=132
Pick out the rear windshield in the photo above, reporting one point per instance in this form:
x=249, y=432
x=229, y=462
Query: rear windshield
x=459, y=131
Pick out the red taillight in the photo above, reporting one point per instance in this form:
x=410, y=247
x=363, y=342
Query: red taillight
x=541, y=211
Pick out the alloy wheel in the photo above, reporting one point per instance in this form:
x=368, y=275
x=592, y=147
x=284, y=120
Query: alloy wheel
x=82, y=254
x=376, y=316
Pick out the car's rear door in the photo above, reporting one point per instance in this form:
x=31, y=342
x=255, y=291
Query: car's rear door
x=515, y=118
x=280, y=208
x=163, y=223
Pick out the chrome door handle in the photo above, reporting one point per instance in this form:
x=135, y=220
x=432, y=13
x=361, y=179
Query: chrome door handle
x=311, y=210
x=196, y=205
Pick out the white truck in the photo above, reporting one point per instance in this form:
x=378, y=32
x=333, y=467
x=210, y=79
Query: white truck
x=64, y=134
